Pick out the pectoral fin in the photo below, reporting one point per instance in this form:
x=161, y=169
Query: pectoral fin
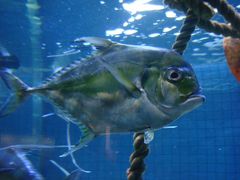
x=122, y=79
x=104, y=44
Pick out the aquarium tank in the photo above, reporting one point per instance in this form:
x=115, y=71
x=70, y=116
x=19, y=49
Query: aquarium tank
x=79, y=78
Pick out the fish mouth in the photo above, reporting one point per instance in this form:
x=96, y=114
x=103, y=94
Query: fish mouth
x=197, y=96
x=195, y=99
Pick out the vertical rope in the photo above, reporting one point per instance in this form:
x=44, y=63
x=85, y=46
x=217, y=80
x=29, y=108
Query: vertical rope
x=185, y=32
x=137, y=166
x=141, y=150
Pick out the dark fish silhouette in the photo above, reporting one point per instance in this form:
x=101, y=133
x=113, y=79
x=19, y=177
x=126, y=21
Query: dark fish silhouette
x=15, y=166
x=8, y=60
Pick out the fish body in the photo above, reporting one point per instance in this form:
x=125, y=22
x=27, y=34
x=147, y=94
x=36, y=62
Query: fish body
x=102, y=101
x=122, y=88
x=15, y=166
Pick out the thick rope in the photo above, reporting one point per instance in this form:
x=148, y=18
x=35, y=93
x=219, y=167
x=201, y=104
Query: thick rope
x=227, y=11
x=137, y=166
x=218, y=28
x=185, y=33
x=201, y=9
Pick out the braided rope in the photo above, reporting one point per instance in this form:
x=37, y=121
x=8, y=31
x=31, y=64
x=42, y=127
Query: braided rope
x=227, y=11
x=201, y=9
x=137, y=165
x=218, y=28
x=185, y=32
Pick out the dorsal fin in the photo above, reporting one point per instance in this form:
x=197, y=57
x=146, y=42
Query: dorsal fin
x=57, y=74
x=99, y=43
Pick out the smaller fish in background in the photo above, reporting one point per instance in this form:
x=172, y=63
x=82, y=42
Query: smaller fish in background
x=8, y=60
x=15, y=166
x=232, y=52
x=7, y=63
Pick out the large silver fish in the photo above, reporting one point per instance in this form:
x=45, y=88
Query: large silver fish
x=122, y=88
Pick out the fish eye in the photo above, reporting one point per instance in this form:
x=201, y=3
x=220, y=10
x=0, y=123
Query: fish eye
x=174, y=75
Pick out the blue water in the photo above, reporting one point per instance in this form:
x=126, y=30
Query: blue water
x=205, y=144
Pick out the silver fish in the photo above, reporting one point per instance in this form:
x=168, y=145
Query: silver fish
x=121, y=88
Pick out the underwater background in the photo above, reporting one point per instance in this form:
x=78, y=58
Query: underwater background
x=204, y=145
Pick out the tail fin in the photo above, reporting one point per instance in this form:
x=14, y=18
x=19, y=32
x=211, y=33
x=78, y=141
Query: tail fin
x=20, y=93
